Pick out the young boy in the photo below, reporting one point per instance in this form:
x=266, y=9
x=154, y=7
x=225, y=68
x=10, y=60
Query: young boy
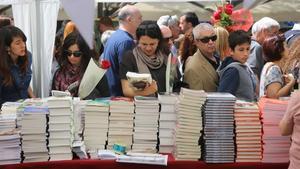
x=236, y=77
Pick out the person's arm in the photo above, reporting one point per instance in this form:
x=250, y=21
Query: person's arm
x=30, y=92
x=129, y=91
x=229, y=81
x=287, y=122
x=275, y=87
x=192, y=80
x=257, y=86
x=276, y=90
x=286, y=127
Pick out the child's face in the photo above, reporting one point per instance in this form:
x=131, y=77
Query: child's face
x=241, y=52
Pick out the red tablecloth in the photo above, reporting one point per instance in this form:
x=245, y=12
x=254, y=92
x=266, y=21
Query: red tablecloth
x=93, y=164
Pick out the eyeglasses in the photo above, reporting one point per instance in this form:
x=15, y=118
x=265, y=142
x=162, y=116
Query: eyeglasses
x=75, y=53
x=207, y=39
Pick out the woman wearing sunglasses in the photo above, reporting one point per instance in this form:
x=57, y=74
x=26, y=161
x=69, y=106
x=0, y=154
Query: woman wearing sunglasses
x=146, y=57
x=75, y=56
x=15, y=65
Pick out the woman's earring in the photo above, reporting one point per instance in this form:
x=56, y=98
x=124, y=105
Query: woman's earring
x=8, y=51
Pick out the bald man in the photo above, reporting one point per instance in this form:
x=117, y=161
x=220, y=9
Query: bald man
x=121, y=41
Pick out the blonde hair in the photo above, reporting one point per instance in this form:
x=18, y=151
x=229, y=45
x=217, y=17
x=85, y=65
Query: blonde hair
x=293, y=56
x=69, y=28
x=222, y=44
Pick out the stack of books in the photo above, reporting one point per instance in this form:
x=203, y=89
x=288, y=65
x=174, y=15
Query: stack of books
x=219, y=128
x=34, y=133
x=189, y=124
x=10, y=148
x=96, y=125
x=275, y=146
x=145, y=124
x=167, y=122
x=121, y=122
x=14, y=109
x=78, y=106
x=60, y=128
x=248, y=132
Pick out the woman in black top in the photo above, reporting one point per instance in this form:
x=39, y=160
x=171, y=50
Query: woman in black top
x=146, y=57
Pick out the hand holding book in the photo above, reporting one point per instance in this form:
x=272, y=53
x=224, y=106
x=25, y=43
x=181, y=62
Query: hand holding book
x=139, y=81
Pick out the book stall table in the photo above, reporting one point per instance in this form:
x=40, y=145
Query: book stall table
x=111, y=164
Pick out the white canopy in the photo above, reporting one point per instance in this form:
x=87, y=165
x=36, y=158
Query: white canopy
x=278, y=9
x=37, y=19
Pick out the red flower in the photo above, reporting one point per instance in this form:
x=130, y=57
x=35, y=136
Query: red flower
x=217, y=15
x=104, y=64
x=228, y=11
x=222, y=16
x=229, y=6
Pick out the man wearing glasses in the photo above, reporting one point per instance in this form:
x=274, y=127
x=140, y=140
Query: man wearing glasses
x=200, y=69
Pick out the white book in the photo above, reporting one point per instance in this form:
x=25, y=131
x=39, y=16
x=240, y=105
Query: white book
x=60, y=111
x=146, y=159
x=59, y=149
x=60, y=134
x=59, y=141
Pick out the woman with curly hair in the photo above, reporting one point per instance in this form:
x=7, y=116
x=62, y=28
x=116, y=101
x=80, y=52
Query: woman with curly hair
x=292, y=64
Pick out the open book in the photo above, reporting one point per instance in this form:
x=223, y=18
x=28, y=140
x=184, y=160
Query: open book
x=139, y=80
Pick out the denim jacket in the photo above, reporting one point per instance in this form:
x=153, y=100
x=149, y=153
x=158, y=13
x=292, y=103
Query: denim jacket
x=19, y=88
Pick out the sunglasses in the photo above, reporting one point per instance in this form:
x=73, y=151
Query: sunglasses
x=75, y=53
x=207, y=39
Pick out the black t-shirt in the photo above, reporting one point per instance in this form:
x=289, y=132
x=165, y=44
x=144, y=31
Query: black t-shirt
x=213, y=63
x=128, y=64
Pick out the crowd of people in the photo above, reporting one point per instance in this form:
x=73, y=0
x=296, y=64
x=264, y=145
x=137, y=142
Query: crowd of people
x=263, y=64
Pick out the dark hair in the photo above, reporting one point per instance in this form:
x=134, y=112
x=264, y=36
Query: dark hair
x=238, y=37
x=8, y=33
x=151, y=29
x=105, y=20
x=58, y=45
x=192, y=18
x=72, y=39
x=273, y=48
x=187, y=47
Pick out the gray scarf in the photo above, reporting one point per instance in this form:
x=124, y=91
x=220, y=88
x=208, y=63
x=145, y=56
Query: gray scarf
x=143, y=61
